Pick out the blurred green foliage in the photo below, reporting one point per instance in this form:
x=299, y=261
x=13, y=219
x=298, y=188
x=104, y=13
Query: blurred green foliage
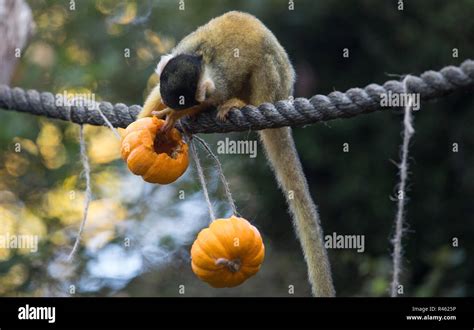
x=85, y=49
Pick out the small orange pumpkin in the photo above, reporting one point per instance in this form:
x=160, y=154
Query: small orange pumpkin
x=157, y=156
x=227, y=253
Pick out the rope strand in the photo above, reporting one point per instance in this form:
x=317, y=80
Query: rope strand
x=200, y=172
x=88, y=197
x=106, y=120
x=399, y=218
x=228, y=193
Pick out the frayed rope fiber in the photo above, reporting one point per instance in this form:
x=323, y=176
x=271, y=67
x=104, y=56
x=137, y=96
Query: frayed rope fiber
x=408, y=132
x=88, y=192
x=224, y=181
x=299, y=112
x=202, y=179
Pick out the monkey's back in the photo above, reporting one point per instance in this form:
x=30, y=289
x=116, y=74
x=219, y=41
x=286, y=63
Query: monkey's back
x=234, y=45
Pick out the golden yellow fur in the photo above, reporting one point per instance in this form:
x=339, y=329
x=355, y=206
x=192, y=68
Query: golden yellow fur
x=238, y=49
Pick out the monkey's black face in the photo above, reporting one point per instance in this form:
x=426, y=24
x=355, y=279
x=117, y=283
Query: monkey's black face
x=179, y=81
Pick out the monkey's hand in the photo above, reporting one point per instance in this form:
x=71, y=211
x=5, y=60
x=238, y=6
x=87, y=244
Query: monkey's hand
x=162, y=113
x=172, y=116
x=152, y=103
x=224, y=108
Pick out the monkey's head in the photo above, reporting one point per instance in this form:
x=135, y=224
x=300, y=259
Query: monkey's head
x=182, y=81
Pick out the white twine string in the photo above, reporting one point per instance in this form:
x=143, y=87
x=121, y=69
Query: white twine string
x=117, y=134
x=88, y=192
x=221, y=174
x=403, y=166
x=200, y=172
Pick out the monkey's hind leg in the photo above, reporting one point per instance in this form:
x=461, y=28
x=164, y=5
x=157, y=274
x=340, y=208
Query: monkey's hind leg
x=152, y=103
x=224, y=108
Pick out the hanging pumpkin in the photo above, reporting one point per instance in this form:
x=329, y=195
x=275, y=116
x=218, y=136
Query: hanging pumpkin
x=157, y=156
x=227, y=253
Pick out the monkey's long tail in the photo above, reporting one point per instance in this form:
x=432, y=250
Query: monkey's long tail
x=281, y=152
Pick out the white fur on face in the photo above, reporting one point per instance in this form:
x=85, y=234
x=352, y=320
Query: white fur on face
x=163, y=61
x=205, y=86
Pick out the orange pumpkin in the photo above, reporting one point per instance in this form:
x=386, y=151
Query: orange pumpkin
x=227, y=253
x=158, y=157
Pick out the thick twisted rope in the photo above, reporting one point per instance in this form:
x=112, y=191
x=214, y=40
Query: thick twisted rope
x=299, y=112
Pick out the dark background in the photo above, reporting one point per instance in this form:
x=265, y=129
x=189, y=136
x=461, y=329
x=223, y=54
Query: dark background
x=83, y=50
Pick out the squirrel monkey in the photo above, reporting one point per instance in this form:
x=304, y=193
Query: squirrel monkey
x=231, y=61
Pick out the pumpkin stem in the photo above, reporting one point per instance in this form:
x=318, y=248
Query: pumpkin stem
x=232, y=265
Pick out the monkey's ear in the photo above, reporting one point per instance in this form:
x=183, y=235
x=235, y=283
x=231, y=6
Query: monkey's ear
x=205, y=88
x=163, y=61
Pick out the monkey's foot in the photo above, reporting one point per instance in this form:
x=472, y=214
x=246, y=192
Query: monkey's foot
x=223, y=109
